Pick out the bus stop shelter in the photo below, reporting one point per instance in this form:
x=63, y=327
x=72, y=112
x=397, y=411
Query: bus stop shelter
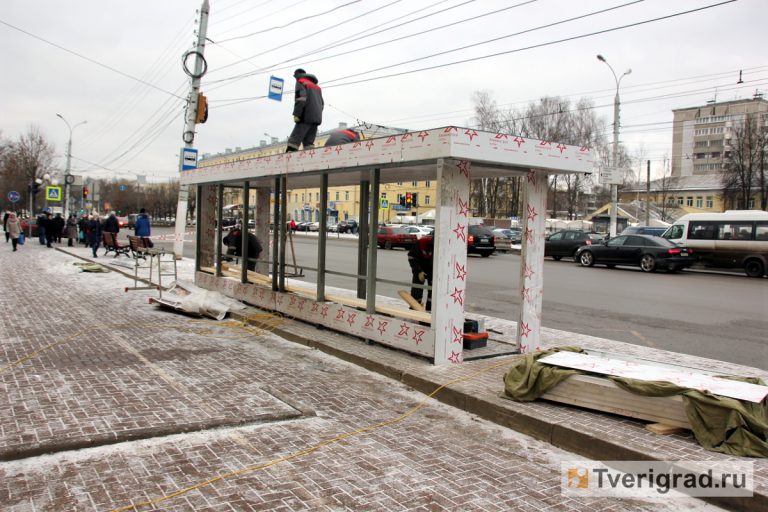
x=450, y=156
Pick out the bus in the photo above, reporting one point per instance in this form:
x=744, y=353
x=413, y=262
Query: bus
x=733, y=239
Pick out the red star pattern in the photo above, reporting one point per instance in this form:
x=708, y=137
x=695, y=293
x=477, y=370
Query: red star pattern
x=356, y=145
x=406, y=137
x=293, y=301
x=463, y=166
x=369, y=144
x=520, y=141
x=528, y=271
x=472, y=134
x=463, y=207
x=301, y=304
x=315, y=307
x=460, y=272
x=545, y=143
x=583, y=149
x=455, y=357
x=458, y=335
x=524, y=329
x=527, y=294
x=390, y=139
x=529, y=235
x=423, y=135
x=561, y=147
x=351, y=318
x=451, y=129
x=327, y=150
x=382, y=326
x=280, y=299
x=324, y=312
x=531, y=212
x=261, y=293
x=338, y=149
x=312, y=153
x=457, y=296
x=417, y=336
x=368, y=321
x=403, y=330
x=340, y=314
x=502, y=136
x=531, y=177
x=460, y=232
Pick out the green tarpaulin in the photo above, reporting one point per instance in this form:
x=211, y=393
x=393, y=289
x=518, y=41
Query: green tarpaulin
x=719, y=423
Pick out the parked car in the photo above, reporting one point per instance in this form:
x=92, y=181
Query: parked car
x=646, y=251
x=420, y=231
x=643, y=230
x=514, y=235
x=480, y=240
x=332, y=227
x=122, y=222
x=26, y=223
x=565, y=243
x=390, y=237
x=348, y=226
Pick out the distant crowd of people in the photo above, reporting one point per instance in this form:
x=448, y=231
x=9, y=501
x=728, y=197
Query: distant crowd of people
x=86, y=230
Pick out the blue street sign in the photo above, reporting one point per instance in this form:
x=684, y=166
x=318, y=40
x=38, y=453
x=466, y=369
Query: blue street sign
x=276, y=88
x=52, y=193
x=123, y=188
x=13, y=196
x=189, y=161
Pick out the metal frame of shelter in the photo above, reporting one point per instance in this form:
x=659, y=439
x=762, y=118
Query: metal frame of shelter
x=450, y=156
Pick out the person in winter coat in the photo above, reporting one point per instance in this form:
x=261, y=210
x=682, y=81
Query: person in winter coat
x=71, y=230
x=57, y=225
x=234, y=243
x=82, y=227
x=5, y=226
x=342, y=137
x=94, y=234
x=420, y=259
x=111, y=225
x=143, y=227
x=42, y=223
x=13, y=229
x=48, y=228
x=307, y=111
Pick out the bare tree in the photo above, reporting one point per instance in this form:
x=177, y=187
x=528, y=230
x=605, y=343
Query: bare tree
x=743, y=172
x=24, y=160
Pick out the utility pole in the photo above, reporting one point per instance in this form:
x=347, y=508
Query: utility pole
x=189, y=126
x=648, y=195
x=67, y=175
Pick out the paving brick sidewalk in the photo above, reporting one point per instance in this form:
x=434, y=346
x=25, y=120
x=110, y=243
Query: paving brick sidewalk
x=169, y=402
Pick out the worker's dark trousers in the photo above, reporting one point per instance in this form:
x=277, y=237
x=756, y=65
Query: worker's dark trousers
x=418, y=293
x=303, y=134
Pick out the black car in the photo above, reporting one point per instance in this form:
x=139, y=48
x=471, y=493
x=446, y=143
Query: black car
x=643, y=230
x=480, y=240
x=646, y=251
x=566, y=242
x=348, y=226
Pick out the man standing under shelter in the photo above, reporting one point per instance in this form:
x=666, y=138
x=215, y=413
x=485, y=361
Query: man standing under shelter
x=307, y=111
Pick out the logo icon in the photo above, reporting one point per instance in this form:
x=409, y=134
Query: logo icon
x=578, y=478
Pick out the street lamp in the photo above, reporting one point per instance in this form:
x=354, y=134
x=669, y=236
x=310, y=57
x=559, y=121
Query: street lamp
x=67, y=176
x=616, y=104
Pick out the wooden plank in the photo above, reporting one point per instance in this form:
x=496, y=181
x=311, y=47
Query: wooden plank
x=603, y=395
x=663, y=429
x=407, y=297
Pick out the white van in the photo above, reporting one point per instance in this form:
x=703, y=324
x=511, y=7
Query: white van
x=734, y=239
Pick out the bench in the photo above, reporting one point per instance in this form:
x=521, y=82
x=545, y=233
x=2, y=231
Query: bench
x=111, y=244
x=141, y=247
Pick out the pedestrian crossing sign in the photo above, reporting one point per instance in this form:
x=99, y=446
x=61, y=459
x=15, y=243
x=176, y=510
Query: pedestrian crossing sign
x=384, y=204
x=52, y=193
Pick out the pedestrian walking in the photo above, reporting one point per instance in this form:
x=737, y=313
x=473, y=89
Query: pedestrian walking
x=112, y=225
x=42, y=221
x=71, y=230
x=420, y=258
x=82, y=228
x=94, y=234
x=344, y=136
x=58, y=224
x=13, y=229
x=48, y=230
x=292, y=225
x=307, y=111
x=143, y=226
x=5, y=226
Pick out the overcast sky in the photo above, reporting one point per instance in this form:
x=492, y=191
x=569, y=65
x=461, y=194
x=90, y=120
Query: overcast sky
x=117, y=64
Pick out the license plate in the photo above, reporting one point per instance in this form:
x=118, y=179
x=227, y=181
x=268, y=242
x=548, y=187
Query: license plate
x=683, y=253
x=484, y=240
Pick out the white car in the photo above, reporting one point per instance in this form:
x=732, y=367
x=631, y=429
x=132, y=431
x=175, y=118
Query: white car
x=420, y=231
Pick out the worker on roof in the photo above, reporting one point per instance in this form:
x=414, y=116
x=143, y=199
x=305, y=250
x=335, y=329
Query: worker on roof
x=307, y=111
x=342, y=137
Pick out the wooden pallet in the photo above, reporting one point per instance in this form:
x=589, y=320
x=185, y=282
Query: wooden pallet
x=602, y=394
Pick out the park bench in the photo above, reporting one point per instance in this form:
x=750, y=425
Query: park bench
x=142, y=247
x=111, y=244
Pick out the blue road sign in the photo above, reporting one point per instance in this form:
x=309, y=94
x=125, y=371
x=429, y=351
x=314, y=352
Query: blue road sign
x=276, y=88
x=190, y=159
x=123, y=188
x=14, y=196
x=52, y=193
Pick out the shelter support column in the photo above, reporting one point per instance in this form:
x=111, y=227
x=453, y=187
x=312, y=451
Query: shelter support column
x=532, y=262
x=450, y=259
x=362, y=236
x=276, y=234
x=322, y=237
x=262, y=228
x=283, y=236
x=368, y=240
x=206, y=226
x=244, y=233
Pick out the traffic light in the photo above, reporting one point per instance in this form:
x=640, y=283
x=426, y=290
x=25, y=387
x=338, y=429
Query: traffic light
x=35, y=188
x=201, y=114
x=408, y=199
x=85, y=192
x=402, y=199
x=415, y=199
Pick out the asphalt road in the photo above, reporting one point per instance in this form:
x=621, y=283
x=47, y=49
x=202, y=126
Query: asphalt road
x=713, y=315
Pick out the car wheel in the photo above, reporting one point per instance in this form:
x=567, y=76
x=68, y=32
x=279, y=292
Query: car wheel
x=648, y=263
x=388, y=245
x=586, y=259
x=485, y=254
x=556, y=258
x=611, y=265
x=754, y=268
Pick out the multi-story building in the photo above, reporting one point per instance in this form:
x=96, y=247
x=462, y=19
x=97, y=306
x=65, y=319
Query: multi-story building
x=701, y=135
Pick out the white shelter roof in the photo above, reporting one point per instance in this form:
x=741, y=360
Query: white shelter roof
x=407, y=157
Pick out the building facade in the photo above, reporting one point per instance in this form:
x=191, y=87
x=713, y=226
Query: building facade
x=701, y=135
